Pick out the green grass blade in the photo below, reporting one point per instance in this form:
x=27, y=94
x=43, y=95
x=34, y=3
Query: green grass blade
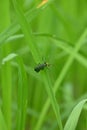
x=22, y=90
x=6, y=77
x=74, y=116
x=2, y=122
x=27, y=32
x=22, y=95
x=49, y=89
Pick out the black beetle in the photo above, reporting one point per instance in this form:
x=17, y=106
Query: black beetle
x=41, y=66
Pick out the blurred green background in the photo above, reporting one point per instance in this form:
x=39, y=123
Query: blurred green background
x=56, y=28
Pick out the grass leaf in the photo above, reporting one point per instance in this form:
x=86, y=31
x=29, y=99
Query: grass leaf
x=2, y=122
x=74, y=116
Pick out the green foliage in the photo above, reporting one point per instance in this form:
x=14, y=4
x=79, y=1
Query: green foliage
x=74, y=116
x=34, y=32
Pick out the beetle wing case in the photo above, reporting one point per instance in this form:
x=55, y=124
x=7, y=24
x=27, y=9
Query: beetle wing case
x=41, y=66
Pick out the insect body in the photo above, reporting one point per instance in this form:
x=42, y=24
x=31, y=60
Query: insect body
x=41, y=66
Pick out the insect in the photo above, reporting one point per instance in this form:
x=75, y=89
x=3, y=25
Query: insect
x=41, y=66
